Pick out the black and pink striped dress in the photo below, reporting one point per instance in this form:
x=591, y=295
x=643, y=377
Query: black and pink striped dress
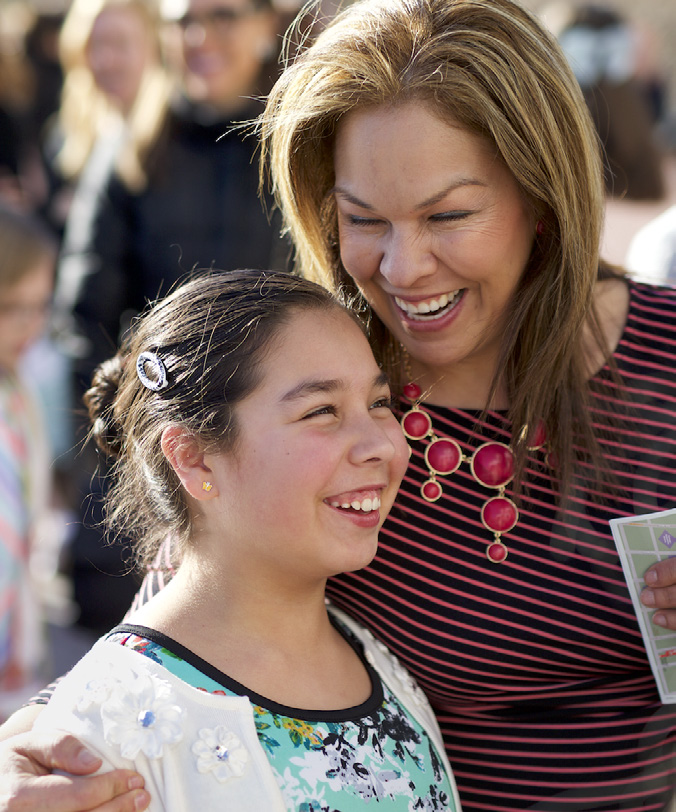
x=535, y=666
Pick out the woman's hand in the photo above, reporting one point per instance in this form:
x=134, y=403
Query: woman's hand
x=660, y=593
x=27, y=784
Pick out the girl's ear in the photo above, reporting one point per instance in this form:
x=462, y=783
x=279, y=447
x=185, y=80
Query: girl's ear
x=185, y=456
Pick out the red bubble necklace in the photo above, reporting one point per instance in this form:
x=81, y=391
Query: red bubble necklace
x=491, y=464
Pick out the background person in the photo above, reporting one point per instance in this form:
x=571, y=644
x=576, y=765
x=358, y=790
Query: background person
x=114, y=87
x=651, y=256
x=194, y=202
x=602, y=48
x=26, y=281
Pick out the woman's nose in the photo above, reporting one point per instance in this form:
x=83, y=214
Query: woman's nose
x=407, y=258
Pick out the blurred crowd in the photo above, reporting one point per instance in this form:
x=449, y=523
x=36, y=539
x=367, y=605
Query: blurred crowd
x=127, y=159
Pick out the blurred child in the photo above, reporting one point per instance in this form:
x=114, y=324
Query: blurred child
x=27, y=256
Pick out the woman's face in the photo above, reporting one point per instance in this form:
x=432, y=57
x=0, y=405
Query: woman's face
x=434, y=230
x=120, y=49
x=224, y=46
x=318, y=458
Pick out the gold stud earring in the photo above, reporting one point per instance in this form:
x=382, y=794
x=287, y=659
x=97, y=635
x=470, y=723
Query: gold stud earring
x=207, y=486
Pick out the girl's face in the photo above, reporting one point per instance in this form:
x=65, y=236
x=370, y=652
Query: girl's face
x=318, y=460
x=225, y=43
x=118, y=53
x=434, y=230
x=24, y=307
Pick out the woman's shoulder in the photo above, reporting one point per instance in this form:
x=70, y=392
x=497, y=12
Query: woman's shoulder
x=631, y=311
x=652, y=313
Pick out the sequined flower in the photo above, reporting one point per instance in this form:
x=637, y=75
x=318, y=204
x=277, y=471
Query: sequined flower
x=220, y=751
x=95, y=692
x=142, y=716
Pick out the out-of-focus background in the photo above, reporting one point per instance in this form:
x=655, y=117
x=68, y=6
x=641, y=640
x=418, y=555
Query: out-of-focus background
x=111, y=113
x=649, y=45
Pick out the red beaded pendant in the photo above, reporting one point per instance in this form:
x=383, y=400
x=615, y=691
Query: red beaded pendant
x=496, y=552
x=431, y=490
x=416, y=424
x=492, y=464
x=443, y=456
x=499, y=514
x=539, y=437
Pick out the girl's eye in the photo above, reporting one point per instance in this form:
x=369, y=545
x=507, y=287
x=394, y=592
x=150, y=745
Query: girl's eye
x=383, y=403
x=321, y=410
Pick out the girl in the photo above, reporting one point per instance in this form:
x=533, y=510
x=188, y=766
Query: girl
x=249, y=421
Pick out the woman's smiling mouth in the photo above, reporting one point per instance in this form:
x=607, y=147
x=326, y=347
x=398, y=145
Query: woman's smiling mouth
x=430, y=309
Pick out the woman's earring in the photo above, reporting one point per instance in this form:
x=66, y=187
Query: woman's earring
x=207, y=486
x=540, y=227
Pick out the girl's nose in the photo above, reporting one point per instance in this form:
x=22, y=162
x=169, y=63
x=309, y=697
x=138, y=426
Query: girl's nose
x=373, y=442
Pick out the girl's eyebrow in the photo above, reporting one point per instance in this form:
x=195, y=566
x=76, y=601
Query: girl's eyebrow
x=437, y=197
x=313, y=386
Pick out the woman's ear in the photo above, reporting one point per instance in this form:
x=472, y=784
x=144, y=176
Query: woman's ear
x=186, y=457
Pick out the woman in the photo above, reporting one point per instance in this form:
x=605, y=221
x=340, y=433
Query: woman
x=206, y=695
x=114, y=86
x=437, y=158
x=191, y=199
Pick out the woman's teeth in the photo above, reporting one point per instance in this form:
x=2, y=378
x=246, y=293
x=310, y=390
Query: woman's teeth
x=431, y=308
x=365, y=505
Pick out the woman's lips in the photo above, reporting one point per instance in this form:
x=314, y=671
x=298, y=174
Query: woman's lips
x=432, y=313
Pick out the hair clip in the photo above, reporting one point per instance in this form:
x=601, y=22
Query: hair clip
x=159, y=371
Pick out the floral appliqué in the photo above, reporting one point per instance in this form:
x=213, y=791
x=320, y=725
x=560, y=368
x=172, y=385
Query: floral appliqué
x=220, y=751
x=406, y=682
x=142, y=717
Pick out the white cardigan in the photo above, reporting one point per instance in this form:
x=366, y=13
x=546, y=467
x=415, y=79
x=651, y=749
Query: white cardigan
x=196, y=750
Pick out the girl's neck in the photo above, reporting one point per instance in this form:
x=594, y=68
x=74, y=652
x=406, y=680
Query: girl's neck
x=279, y=644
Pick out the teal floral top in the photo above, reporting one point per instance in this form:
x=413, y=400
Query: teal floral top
x=324, y=761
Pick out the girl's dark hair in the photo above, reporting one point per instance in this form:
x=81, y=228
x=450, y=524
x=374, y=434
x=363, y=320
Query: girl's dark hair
x=210, y=335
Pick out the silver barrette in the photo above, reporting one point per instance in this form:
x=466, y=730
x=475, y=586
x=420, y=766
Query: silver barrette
x=159, y=380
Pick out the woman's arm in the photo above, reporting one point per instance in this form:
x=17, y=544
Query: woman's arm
x=27, y=758
x=28, y=785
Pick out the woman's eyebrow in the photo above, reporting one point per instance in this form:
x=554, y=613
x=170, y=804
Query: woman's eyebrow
x=437, y=197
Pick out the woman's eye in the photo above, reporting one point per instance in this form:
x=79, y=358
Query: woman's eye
x=449, y=216
x=356, y=220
